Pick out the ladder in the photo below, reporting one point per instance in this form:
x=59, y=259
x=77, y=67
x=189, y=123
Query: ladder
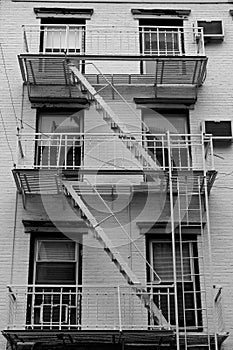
x=196, y=257
x=113, y=253
x=129, y=139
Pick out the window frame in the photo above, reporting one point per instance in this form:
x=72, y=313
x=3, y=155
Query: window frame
x=53, y=22
x=152, y=145
x=49, y=113
x=195, y=281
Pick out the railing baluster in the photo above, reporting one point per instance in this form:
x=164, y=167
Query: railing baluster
x=165, y=43
x=158, y=40
x=67, y=29
x=60, y=308
x=73, y=153
x=119, y=308
x=51, y=307
x=168, y=305
x=179, y=34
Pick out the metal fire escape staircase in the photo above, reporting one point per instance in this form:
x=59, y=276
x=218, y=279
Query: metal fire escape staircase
x=128, y=138
x=145, y=160
x=74, y=192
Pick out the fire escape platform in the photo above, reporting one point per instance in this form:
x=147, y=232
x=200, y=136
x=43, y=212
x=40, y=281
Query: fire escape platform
x=36, y=181
x=92, y=338
x=52, y=69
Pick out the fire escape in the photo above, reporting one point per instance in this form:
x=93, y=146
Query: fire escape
x=70, y=67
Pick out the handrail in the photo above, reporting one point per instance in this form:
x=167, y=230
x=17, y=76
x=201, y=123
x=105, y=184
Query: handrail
x=88, y=285
x=209, y=137
x=134, y=28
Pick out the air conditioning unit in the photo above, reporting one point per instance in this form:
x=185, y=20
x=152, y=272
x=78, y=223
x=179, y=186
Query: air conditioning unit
x=212, y=29
x=221, y=130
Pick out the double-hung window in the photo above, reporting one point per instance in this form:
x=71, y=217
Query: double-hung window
x=54, y=299
x=62, y=35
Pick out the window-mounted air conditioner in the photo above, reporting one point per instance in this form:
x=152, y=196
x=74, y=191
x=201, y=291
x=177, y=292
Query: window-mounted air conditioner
x=220, y=129
x=212, y=29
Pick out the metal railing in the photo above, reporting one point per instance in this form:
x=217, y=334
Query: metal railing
x=86, y=307
x=108, y=151
x=111, y=40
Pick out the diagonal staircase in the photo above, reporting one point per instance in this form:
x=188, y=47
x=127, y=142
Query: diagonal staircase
x=129, y=139
x=133, y=144
x=124, y=269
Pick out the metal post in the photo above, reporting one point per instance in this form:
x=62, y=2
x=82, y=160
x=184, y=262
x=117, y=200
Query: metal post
x=67, y=39
x=119, y=307
x=173, y=241
x=209, y=242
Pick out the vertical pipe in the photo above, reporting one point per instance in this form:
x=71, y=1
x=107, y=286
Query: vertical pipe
x=119, y=307
x=209, y=242
x=173, y=241
x=60, y=308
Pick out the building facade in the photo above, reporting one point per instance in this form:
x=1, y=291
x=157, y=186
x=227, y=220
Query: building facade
x=116, y=174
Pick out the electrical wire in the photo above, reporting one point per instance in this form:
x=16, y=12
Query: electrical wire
x=7, y=139
x=9, y=87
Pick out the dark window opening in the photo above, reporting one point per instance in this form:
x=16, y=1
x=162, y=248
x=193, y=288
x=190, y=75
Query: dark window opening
x=159, y=123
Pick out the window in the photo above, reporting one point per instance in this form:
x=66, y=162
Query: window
x=188, y=284
x=54, y=300
x=55, y=262
x=59, y=142
x=160, y=37
x=176, y=122
x=59, y=35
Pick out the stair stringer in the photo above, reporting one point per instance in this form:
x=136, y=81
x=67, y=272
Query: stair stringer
x=116, y=257
x=109, y=116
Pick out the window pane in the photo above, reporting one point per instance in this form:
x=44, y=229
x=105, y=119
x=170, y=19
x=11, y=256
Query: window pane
x=163, y=261
x=61, y=38
x=163, y=121
x=56, y=251
x=55, y=37
x=60, y=123
x=52, y=273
